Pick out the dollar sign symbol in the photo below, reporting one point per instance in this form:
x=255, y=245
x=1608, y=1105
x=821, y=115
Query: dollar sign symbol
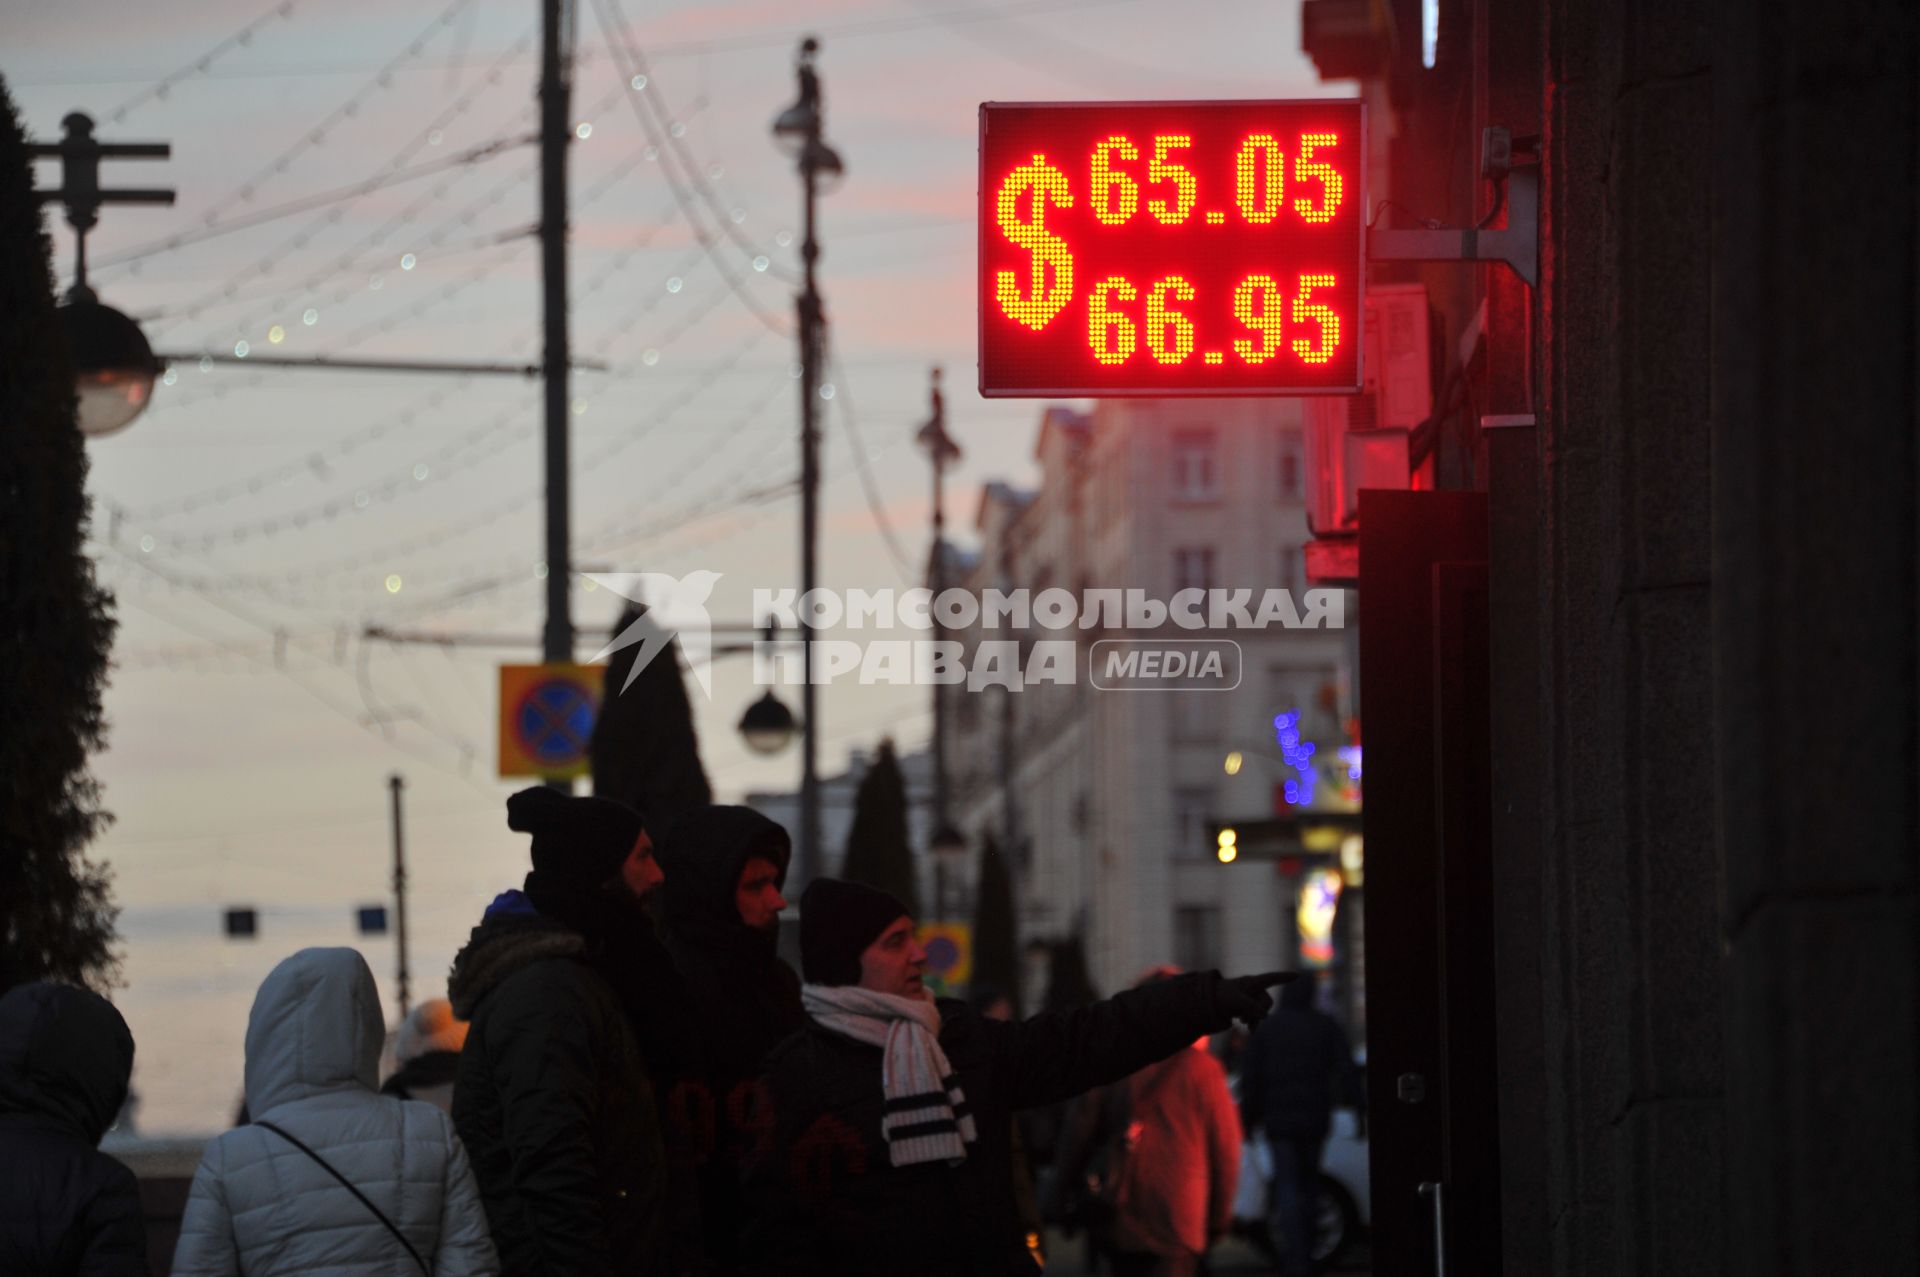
x=1042, y=182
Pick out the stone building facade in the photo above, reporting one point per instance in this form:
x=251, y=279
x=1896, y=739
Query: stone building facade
x=1104, y=797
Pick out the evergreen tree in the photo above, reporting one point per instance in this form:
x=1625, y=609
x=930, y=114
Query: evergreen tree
x=877, y=851
x=996, y=956
x=644, y=751
x=56, y=623
x=1068, y=983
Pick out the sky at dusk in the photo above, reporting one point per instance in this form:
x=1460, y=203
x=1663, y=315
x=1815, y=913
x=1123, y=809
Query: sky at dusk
x=250, y=521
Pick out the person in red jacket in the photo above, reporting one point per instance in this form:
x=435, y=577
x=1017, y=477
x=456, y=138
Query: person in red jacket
x=1172, y=1134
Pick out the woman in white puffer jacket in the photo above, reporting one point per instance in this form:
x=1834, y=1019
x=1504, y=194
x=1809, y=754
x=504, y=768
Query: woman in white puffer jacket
x=261, y=1206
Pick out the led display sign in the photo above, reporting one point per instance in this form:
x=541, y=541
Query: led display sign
x=1171, y=248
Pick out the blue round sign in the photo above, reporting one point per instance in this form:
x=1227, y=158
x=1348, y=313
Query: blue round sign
x=942, y=954
x=555, y=722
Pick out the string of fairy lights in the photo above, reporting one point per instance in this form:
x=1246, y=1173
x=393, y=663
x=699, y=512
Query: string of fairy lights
x=650, y=117
x=294, y=584
x=484, y=580
x=282, y=162
x=246, y=310
x=342, y=267
x=159, y=89
x=476, y=444
x=271, y=259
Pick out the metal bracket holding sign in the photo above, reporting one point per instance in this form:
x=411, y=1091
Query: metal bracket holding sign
x=1517, y=244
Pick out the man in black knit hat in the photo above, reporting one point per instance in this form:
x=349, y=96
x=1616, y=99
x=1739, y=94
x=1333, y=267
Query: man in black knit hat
x=577, y=1025
x=887, y=1146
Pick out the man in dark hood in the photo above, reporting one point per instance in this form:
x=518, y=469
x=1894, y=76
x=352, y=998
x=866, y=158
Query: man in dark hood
x=578, y=1022
x=65, y=1207
x=1297, y=1064
x=720, y=909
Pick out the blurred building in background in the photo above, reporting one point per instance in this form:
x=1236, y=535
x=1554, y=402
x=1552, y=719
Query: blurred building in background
x=1106, y=798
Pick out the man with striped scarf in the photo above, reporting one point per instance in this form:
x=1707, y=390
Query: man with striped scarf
x=885, y=1128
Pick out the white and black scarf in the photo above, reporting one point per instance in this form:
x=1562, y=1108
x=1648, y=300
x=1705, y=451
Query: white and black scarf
x=926, y=1118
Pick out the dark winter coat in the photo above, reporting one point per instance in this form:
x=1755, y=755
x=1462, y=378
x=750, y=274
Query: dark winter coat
x=1297, y=1064
x=826, y=1198
x=65, y=1207
x=745, y=999
x=555, y=1101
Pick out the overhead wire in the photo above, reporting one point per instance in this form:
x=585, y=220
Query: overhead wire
x=316, y=136
x=280, y=581
x=198, y=66
x=319, y=461
x=591, y=460
x=618, y=532
x=453, y=455
x=352, y=260
x=271, y=259
x=784, y=38
x=860, y=28
x=307, y=462
x=481, y=443
x=359, y=266
x=317, y=694
x=229, y=384
x=293, y=208
x=701, y=234
x=646, y=90
x=355, y=256
x=843, y=402
x=1058, y=57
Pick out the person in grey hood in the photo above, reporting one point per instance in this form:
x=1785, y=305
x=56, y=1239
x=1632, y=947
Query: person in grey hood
x=332, y=1179
x=65, y=1207
x=720, y=916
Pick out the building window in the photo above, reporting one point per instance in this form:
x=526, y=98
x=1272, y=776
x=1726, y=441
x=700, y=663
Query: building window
x=1193, y=569
x=1196, y=937
x=1196, y=467
x=1192, y=809
x=1293, y=568
x=1292, y=466
x=1194, y=717
x=1313, y=694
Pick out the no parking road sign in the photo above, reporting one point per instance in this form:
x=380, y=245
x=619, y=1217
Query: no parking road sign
x=949, y=947
x=546, y=718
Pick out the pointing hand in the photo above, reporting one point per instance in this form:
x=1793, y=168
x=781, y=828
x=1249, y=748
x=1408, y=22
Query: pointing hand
x=1246, y=998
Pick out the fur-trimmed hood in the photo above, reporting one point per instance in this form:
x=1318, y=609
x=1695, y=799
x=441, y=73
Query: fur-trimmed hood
x=512, y=936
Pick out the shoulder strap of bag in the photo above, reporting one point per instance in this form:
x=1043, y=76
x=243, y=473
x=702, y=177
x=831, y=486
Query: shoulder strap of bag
x=365, y=1201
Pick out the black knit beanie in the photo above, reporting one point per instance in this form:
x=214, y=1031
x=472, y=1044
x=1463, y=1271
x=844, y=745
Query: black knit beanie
x=578, y=841
x=838, y=920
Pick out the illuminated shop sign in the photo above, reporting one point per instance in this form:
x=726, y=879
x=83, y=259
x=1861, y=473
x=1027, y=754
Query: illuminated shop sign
x=1171, y=248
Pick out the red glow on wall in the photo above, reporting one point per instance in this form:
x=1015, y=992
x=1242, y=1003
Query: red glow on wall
x=1171, y=248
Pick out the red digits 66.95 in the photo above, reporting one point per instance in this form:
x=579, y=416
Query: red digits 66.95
x=1258, y=302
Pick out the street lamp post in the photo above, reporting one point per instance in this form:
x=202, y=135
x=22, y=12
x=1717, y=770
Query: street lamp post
x=113, y=365
x=800, y=127
x=948, y=846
